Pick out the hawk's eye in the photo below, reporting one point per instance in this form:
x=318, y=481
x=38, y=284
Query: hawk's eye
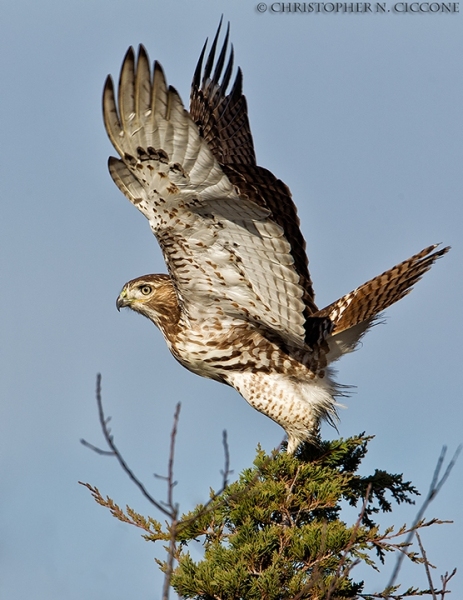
x=146, y=290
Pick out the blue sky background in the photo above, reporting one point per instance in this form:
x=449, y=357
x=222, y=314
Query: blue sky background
x=360, y=115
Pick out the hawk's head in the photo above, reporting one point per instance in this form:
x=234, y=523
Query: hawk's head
x=154, y=297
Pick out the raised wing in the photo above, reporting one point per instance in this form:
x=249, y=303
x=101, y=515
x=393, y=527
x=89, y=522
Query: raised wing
x=226, y=253
x=222, y=120
x=221, y=117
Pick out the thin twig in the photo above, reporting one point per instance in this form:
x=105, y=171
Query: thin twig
x=445, y=579
x=96, y=449
x=173, y=507
x=226, y=470
x=426, y=566
x=408, y=594
x=169, y=508
x=170, y=471
x=434, y=489
x=115, y=452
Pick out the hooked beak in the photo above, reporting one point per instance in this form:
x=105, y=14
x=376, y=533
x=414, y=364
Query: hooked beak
x=122, y=300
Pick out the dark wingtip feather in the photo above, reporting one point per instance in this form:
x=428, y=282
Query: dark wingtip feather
x=158, y=68
x=211, y=56
x=199, y=80
x=128, y=58
x=142, y=52
x=197, y=74
x=108, y=85
x=108, y=105
x=127, y=70
x=228, y=70
x=112, y=160
x=238, y=84
x=221, y=59
x=443, y=251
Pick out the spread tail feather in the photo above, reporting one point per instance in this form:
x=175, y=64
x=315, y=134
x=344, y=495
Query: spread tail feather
x=355, y=312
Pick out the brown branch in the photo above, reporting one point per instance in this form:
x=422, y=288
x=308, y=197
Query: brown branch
x=408, y=594
x=169, y=508
x=226, y=470
x=427, y=565
x=434, y=489
x=445, y=579
x=170, y=472
x=96, y=449
x=115, y=452
x=173, y=507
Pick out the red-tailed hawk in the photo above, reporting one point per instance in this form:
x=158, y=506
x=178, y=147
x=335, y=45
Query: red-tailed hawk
x=237, y=305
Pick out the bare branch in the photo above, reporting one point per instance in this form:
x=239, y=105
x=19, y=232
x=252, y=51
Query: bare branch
x=169, y=508
x=173, y=508
x=411, y=593
x=445, y=579
x=427, y=566
x=96, y=449
x=115, y=452
x=170, y=470
x=434, y=489
x=226, y=470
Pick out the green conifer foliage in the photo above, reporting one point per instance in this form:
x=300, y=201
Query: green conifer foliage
x=277, y=532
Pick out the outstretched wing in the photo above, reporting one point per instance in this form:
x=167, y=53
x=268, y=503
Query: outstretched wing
x=222, y=120
x=226, y=253
x=221, y=117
